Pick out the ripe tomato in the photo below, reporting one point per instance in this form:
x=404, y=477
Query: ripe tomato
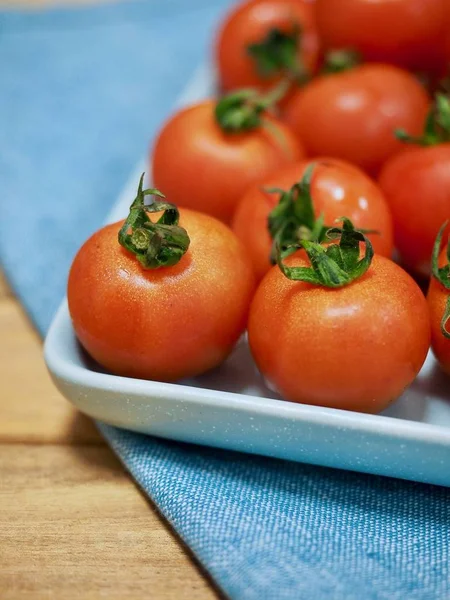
x=446, y=51
x=337, y=188
x=416, y=184
x=403, y=32
x=437, y=301
x=200, y=166
x=353, y=114
x=250, y=23
x=163, y=324
x=356, y=347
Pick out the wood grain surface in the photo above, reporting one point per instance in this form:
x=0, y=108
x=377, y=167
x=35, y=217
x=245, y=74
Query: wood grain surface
x=72, y=523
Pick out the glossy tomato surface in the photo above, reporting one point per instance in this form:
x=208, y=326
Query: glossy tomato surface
x=402, y=32
x=353, y=115
x=337, y=189
x=163, y=324
x=249, y=23
x=416, y=184
x=437, y=299
x=199, y=166
x=354, y=348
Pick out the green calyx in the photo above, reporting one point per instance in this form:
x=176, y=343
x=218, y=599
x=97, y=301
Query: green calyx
x=278, y=54
x=160, y=244
x=293, y=219
x=442, y=274
x=335, y=265
x=437, y=125
x=337, y=61
x=244, y=110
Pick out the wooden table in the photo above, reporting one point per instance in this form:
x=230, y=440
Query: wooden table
x=72, y=522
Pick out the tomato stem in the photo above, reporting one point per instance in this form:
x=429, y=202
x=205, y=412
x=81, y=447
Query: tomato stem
x=159, y=244
x=436, y=128
x=278, y=54
x=442, y=274
x=337, y=61
x=334, y=265
x=293, y=219
x=243, y=110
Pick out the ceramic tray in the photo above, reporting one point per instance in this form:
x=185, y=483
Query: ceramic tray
x=231, y=407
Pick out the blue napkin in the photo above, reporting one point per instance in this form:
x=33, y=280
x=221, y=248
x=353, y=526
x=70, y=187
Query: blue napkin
x=82, y=91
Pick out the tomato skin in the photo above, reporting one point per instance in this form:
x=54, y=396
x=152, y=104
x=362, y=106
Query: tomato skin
x=162, y=324
x=416, y=184
x=200, y=167
x=402, y=32
x=250, y=22
x=353, y=115
x=437, y=299
x=337, y=189
x=445, y=70
x=354, y=348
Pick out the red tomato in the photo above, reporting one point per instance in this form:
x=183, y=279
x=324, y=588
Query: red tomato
x=353, y=114
x=446, y=68
x=355, y=348
x=163, y=324
x=249, y=23
x=416, y=184
x=337, y=189
x=437, y=299
x=447, y=50
x=200, y=166
x=403, y=32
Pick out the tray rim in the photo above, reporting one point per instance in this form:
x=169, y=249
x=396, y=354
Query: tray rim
x=361, y=422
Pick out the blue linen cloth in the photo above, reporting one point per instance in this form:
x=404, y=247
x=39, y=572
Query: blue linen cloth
x=82, y=91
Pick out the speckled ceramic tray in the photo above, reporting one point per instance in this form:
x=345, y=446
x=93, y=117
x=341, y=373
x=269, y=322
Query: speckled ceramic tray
x=232, y=408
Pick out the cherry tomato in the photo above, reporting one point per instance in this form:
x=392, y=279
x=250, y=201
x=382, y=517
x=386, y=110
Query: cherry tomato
x=437, y=300
x=446, y=52
x=403, y=32
x=337, y=189
x=200, y=166
x=250, y=23
x=416, y=184
x=353, y=114
x=355, y=348
x=163, y=324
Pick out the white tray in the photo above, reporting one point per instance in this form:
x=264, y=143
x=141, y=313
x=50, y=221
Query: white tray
x=231, y=407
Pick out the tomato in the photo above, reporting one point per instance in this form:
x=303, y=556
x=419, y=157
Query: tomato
x=353, y=114
x=200, y=166
x=437, y=300
x=356, y=347
x=403, y=32
x=250, y=23
x=163, y=324
x=337, y=189
x=446, y=50
x=416, y=184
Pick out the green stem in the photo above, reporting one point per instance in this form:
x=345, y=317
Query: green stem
x=436, y=128
x=338, y=61
x=334, y=265
x=278, y=54
x=442, y=274
x=244, y=110
x=445, y=317
x=293, y=219
x=160, y=244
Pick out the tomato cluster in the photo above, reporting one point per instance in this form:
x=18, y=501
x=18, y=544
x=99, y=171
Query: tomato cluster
x=325, y=154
